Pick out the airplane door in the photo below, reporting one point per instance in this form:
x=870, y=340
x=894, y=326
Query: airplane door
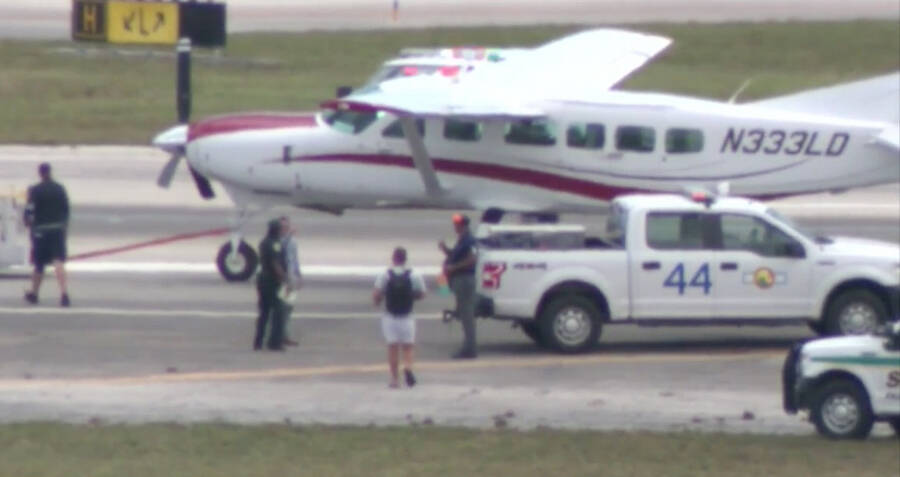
x=670, y=277
x=760, y=272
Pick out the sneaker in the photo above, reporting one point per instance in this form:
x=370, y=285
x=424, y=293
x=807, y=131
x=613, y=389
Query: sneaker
x=290, y=342
x=31, y=297
x=64, y=301
x=410, y=377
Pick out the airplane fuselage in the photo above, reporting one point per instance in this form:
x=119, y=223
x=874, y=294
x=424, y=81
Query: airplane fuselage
x=575, y=159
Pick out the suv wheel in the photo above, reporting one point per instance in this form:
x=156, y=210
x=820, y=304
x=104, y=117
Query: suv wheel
x=570, y=324
x=840, y=410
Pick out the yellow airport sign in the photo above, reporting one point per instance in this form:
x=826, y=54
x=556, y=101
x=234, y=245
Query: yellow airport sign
x=142, y=22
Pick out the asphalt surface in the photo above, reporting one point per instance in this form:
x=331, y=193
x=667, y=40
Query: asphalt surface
x=156, y=335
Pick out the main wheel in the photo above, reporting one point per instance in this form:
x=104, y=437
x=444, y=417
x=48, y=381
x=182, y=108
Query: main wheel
x=570, y=324
x=841, y=410
x=238, y=267
x=855, y=312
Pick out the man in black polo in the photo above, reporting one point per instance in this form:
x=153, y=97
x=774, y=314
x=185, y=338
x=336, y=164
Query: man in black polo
x=47, y=215
x=271, y=277
x=459, y=268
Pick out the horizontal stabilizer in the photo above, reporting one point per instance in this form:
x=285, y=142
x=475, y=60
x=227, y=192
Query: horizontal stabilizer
x=873, y=99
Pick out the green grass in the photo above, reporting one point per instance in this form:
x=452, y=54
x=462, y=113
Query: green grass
x=216, y=449
x=49, y=97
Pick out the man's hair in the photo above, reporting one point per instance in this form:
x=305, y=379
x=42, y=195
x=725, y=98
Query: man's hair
x=44, y=169
x=399, y=255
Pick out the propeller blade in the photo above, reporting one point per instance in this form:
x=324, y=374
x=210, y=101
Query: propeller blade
x=203, y=185
x=168, y=171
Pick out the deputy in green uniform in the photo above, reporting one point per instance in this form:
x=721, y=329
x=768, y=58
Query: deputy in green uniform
x=271, y=277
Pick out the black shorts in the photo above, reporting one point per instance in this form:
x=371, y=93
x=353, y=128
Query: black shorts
x=47, y=246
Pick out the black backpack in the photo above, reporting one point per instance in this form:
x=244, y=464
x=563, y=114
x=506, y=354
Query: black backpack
x=398, y=293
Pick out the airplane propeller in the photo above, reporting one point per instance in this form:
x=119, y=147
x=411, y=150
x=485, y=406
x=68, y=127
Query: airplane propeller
x=175, y=138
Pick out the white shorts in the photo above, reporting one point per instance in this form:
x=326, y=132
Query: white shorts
x=398, y=330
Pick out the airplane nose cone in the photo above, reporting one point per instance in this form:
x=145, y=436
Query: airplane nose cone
x=172, y=140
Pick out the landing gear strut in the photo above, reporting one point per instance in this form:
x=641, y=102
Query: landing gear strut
x=236, y=260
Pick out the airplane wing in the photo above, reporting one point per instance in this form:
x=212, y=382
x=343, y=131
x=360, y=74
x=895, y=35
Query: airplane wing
x=571, y=67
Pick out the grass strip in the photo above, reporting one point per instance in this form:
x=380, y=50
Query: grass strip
x=45, y=449
x=84, y=93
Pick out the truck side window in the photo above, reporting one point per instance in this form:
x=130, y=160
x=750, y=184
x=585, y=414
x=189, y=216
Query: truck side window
x=743, y=232
x=675, y=230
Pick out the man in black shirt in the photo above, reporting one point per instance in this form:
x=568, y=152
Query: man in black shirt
x=47, y=215
x=459, y=268
x=271, y=277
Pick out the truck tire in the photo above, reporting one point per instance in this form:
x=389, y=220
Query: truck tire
x=533, y=330
x=840, y=410
x=854, y=312
x=570, y=324
x=240, y=267
x=895, y=423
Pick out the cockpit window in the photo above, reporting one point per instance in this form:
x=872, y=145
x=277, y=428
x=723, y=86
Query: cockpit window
x=347, y=121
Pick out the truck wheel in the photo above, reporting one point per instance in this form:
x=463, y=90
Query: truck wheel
x=841, y=410
x=533, y=331
x=237, y=268
x=570, y=324
x=855, y=312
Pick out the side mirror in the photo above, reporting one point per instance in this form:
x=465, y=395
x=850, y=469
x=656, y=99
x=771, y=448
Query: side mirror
x=794, y=250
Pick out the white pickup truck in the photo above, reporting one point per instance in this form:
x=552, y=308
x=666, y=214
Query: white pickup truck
x=683, y=260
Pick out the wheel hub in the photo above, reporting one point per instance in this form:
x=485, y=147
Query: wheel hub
x=572, y=326
x=858, y=319
x=235, y=262
x=840, y=413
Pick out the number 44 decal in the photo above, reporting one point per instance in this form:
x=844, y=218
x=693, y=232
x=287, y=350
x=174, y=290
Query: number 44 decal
x=700, y=279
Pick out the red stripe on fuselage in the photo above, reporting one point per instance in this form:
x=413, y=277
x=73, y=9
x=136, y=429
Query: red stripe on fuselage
x=245, y=122
x=498, y=172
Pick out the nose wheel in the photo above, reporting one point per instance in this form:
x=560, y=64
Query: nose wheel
x=237, y=265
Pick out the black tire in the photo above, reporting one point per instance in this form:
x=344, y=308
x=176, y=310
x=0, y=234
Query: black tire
x=895, y=423
x=570, y=324
x=533, y=331
x=818, y=327
x=855, y=312
x=241, y=267
x=840, y=410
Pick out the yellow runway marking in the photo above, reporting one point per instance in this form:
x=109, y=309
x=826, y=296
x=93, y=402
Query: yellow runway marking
x=337, y=370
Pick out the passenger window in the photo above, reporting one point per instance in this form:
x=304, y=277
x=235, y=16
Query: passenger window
x=457, y=130
x=531, y=132
x=681, y=141
x=635, y=138
x=675, y=231
x=394, y=130
x=586, y=136
x=742, y=232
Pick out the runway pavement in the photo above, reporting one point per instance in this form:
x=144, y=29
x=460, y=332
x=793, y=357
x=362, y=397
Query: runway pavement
x=50, y=19
x=174, y=344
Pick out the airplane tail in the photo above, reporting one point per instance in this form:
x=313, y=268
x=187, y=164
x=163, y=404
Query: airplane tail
x=873, y=99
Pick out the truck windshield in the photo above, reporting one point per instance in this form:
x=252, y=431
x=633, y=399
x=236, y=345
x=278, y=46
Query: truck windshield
x=799, y=229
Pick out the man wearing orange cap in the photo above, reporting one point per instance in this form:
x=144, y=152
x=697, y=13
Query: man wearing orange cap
x=459, y=267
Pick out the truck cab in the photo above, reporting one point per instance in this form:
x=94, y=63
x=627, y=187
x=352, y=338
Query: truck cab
x=695, y=259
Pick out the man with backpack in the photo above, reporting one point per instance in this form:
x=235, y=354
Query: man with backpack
x=398, y=287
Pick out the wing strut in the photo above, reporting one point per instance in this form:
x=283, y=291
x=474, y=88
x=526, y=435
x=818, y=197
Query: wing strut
x=420, y=156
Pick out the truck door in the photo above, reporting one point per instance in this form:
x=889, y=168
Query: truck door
x=670, y=274
x=760, y=271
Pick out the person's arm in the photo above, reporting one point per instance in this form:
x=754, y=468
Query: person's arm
x=28, y=215
x=64, y=206
x=419, y=287
x=377, y=292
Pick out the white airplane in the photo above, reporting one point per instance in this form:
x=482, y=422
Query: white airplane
x=541, y=131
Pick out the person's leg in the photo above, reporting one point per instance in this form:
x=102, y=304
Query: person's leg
x=261, y=321
x=407, y=349
x=37, y=276
x=59, y=265
x=286, y=310
x=393, y=363
x=465, y=310
x=276, y=335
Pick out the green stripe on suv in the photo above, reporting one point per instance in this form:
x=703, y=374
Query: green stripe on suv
x=860, y=360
